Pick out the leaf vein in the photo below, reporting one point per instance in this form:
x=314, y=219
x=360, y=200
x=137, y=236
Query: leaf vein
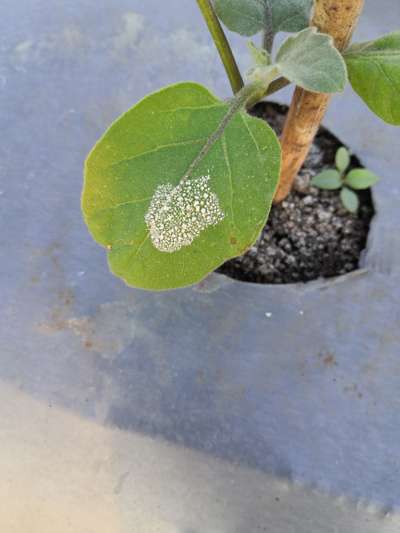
x=158, y=149
x=122, y=204
x=252, y=137
x=190, y=108
x=229, y=168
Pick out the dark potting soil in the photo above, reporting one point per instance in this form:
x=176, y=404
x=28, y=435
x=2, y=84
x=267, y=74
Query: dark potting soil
x=309, y=235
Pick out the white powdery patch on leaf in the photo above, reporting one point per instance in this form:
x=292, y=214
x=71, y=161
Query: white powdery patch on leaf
x=177, y=215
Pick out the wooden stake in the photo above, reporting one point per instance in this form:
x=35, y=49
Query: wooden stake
x=338, y=18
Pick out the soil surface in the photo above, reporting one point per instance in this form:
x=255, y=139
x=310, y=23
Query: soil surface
x=309, y=235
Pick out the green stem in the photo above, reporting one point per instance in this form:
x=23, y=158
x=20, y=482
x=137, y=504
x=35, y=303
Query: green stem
x=221, y=42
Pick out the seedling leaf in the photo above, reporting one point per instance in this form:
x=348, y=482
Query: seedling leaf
x=327, y=179
x=309, y=59
x=162, y=228
x=342, y=159
x=361, y=178
x=374, y=72
x=350, y=200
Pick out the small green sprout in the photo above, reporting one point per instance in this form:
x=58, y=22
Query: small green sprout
x=348, y=182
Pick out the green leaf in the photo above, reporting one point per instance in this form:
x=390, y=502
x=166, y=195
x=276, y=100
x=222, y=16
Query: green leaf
x=342, y=159
x=374, y=72
x=260, y=56
x=311, y=61
x=349, y=200
x=248, y=17
x=290, y=15
x=361, y=178
x=328, y=179
x=139, y=202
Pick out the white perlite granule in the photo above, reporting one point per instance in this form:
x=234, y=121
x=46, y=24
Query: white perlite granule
x=177, y=215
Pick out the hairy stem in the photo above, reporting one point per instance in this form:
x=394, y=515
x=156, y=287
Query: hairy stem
x=221, y=42
x=268, y=37
x=268, y=41
x=338, y=18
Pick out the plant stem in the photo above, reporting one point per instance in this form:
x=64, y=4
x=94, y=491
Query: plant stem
x=221, y=42
x=268, y=41
x=338, y=18
x=268, y=37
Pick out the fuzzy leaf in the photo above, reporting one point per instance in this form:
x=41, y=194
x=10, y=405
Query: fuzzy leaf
x=248, y=17
x=374, y=72
x=289, y=15
x=342, y=159
x=327, y=179
x=260, y=56
x=361, y=178
x=310, y=60
x=153, y=224
x=349, y=200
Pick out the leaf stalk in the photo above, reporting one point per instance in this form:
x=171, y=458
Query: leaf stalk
x=248, y=96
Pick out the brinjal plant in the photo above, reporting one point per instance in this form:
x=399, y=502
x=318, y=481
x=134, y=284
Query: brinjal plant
x=184, y=180
x=348, y=182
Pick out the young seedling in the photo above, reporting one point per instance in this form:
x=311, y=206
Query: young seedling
x=348, y=182
x=184, y=181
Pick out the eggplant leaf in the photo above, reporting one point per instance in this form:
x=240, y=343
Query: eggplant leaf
x=248, y=17
x=374, y=72
x=310, y=60
x=164, y=228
